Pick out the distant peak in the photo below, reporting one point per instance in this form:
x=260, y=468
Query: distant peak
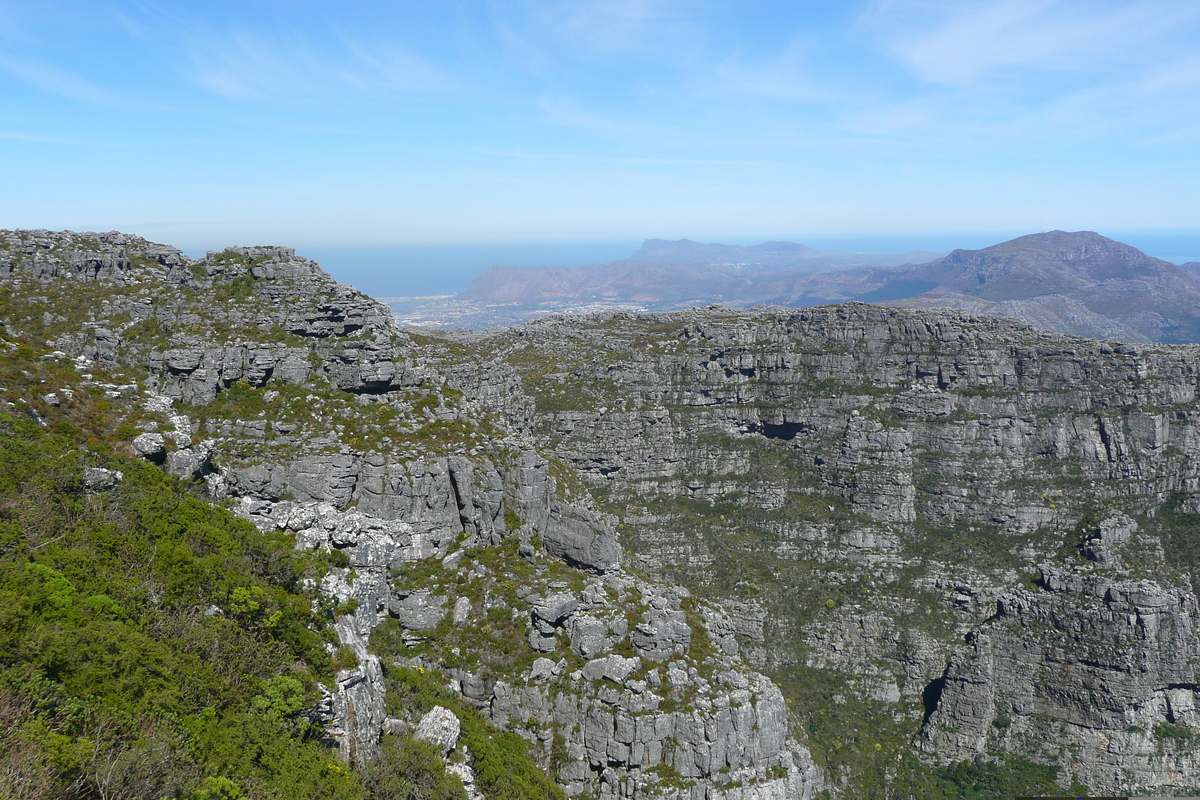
x=686, y=250
x=1060, y=238
x=1060, y=245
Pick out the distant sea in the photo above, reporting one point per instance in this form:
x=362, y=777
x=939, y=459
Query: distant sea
x=432, y=269
x=438, y=269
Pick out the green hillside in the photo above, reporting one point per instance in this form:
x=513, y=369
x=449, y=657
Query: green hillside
x=151, y=643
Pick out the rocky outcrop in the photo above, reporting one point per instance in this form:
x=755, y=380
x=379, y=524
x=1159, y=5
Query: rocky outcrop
x=290, y=450
x=613, y=724
x=896, y=413
x=308, y=361
x=110, y=258
x=873, y=483
x=251, y=314
x=651, y=708
x=751, y=756
x=1097, y=671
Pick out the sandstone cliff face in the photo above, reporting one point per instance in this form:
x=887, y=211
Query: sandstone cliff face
x=941, y=535
x=1093, y=670
x=297, y=401
x=877, y=485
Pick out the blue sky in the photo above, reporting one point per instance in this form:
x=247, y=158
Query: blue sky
x=367, y=124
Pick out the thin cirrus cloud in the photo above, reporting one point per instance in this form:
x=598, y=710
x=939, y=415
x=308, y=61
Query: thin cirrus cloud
x=565, y=113
x=1019, y=71
x=248, y=66
x=1160, y=105
x=961, y=44
x=784, y=76
x=632, y=116
x=65, y=140
x=619, y=26
x=57, y=81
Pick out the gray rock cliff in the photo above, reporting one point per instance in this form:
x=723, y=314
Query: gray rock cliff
x=296, y=401
x=871, y=485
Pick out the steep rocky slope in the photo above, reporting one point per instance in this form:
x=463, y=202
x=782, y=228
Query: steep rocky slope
x=294, y=401
x=962, y=555
x=945, y=536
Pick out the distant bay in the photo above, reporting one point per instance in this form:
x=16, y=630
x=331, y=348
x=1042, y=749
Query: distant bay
x=408, y=270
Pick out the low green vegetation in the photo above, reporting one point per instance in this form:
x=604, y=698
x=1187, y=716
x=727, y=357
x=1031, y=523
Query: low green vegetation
x=1179, y=530
x=1168, y=732
x=295, y=415
x=153, y=645
x=410, y=769
x=493, y=643
x=149, y=641
x=503, y=767
x=867, y=750
x=561, y=379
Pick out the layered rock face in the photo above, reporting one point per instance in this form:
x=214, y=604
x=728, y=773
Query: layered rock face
x=942, y=536
x=875, y=485
x=1099, y=671
x=248, y=313
x=296, y=401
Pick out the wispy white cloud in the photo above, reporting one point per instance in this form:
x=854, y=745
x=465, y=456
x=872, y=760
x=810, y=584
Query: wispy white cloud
x=392, y=67
x=1159, y=104
x=56, y=80
x=662, y=108
x=565, y=112
x=607, y=25
x=787, y=75
x=586, y=157
x=545, y=37
x=962, y=43
x=44, y=139
x=249, y=66
x=1044, y=73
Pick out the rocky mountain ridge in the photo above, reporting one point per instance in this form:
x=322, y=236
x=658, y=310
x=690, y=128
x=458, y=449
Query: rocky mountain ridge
x=297, y=402
x=715, y=554
x=661, y=276
x=1079, y=283
x=956, y=536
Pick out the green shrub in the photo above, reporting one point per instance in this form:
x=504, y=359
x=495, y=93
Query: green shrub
x=409, y=769
x=503, y=767
x=512, y=520
x=151, y=644
x=1165, y=731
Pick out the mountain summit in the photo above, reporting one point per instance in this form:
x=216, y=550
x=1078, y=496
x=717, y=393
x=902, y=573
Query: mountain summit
x=1078, y=282
x=1043, y=263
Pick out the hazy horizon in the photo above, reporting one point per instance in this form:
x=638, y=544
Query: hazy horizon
x=405, y=270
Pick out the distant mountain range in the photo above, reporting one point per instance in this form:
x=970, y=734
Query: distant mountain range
x=770, y=255
x=1081, y=283
x=668, y=275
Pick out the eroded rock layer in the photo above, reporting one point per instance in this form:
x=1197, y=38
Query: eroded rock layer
x=297, y=402
x=887, y=503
